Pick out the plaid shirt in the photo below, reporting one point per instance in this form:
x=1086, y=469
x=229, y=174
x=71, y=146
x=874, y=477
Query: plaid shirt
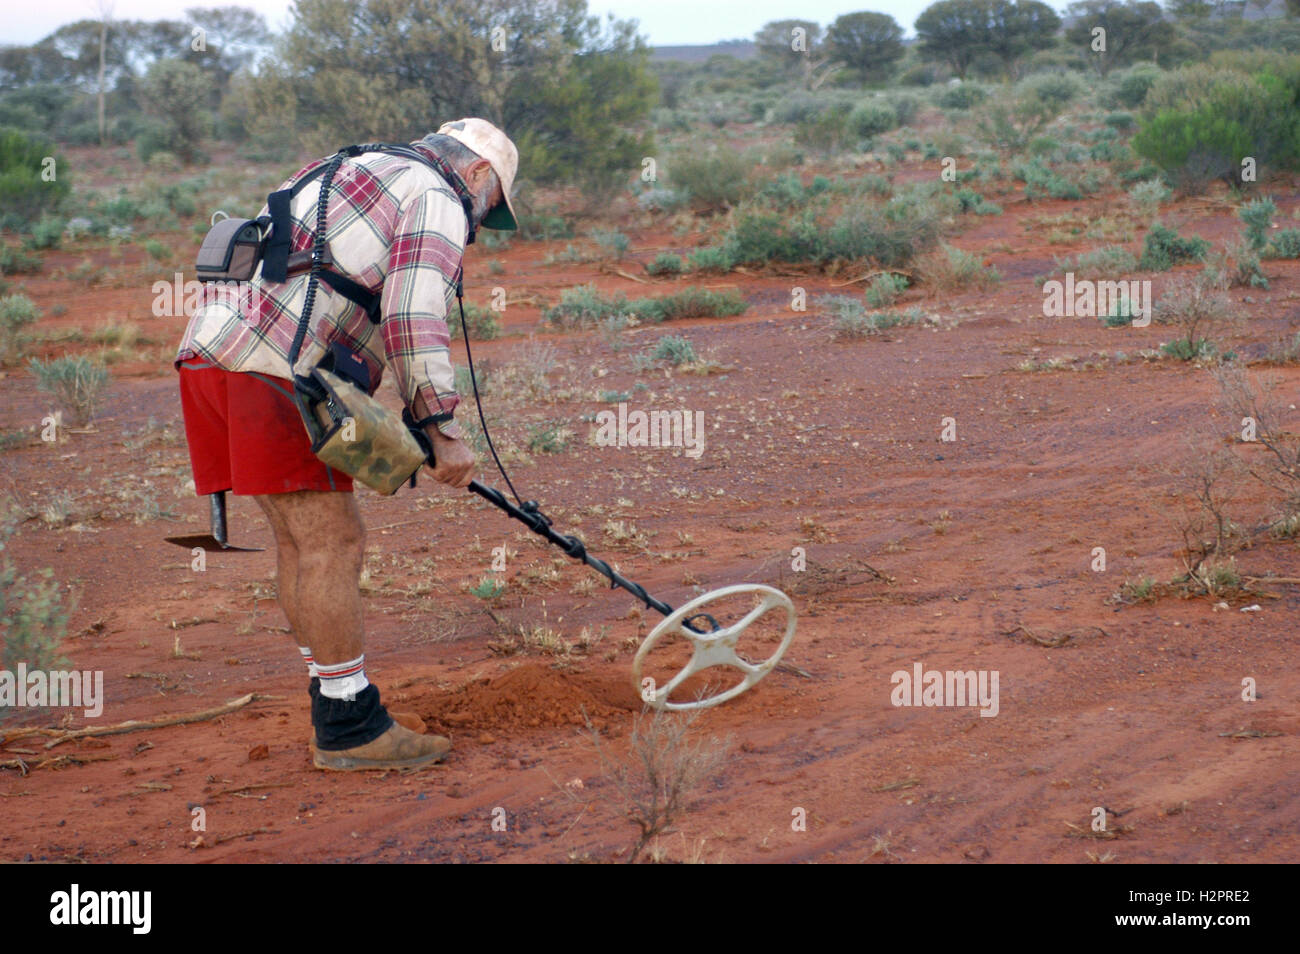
x=392, y=223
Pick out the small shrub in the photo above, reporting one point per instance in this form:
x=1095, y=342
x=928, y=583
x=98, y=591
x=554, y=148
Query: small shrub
x=712, y=182
x=949, y=269
x=689, y=302
x=673, y=349
x=583, y=306
x=46, y=233
x=14, y=261
x=157, y=250
x=1164, y=248
x=1148, y=196
x=482, y=323
x=1258, y=218
x=16, y=312
x=665, y=263
x=1099, y=262
x=711, y=258
x=885, y=290
x=33, y=617
x=661, y=200
x=549, y=437
x=962, y=97
x=74, y=382
x=1285, y=244
x=25, y=194
x=488, y=589
x=612, y=241
x=871, y=119
x=1133, y=85
x=543, y=227
x=1196, y=306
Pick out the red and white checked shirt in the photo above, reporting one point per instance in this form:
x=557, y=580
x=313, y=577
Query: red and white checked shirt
x=392, y=223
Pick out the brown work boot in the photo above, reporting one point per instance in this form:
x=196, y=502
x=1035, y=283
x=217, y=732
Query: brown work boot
x=397, y=748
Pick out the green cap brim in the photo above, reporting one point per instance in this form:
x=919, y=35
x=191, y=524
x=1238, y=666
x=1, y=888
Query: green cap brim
x=500, y=217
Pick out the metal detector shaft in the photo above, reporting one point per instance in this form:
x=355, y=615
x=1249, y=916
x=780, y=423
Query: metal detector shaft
x=540, y=524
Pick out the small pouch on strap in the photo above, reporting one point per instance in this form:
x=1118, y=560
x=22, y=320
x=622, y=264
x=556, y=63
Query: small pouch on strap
x=230, y=251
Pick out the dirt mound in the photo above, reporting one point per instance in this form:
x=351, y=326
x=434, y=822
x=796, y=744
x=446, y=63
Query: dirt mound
x=527, y=697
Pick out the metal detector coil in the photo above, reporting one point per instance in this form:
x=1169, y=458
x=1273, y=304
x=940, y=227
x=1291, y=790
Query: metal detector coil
x=716, y=648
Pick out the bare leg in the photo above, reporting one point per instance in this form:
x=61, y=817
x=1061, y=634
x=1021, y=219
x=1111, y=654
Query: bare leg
x=286, y=568
x=319, y=550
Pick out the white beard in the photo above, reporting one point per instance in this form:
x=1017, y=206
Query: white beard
x=479, y=206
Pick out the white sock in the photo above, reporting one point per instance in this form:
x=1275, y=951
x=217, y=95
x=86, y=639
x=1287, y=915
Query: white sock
x=343, y=680
x=311, y=663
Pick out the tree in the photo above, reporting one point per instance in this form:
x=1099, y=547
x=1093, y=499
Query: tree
x=1018, y=28
x=954, y=32
x=176, y=93
x=1134, y=30
x=543, y=71
x=795, y=48
x=958, y=32
x=870, y=43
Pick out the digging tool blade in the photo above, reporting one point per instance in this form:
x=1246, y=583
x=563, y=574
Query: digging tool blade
x=216, y=540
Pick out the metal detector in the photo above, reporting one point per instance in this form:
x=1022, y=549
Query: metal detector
x=712, y=644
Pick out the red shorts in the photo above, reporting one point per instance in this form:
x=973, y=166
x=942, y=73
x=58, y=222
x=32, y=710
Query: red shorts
x=246, y=434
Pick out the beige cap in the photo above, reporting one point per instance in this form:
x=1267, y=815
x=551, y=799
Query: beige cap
x=494, y=146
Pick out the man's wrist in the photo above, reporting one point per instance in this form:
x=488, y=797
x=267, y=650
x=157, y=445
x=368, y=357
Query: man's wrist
x=448, y=430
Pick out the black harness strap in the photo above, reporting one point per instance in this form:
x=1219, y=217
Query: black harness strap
x=275, y=261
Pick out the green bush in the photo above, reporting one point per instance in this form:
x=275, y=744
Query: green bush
x=613, y=241
x=711, y=258
x=890, y=234
x=75, y=382
x=871, y=119
x=157, y=250
x=47, y=232
x=1120, y=121
x=25, y=193
x=906, y=106
x=1054, y=90
x=885, y=290
x=582, y=306
x=33, y=617
x=14, y=261
x=665, y=263
x=674, y=349
x=1131, y=86
x=1213, y=120
x=482, y=323
x=1148, y=196
x=797, y=107
x=1285, y=244
x=1258, y=218
x=712, y=181
x=964, y=96
x=1105, y=262
x=1043, y=180
x=1164, y=248
x=689, y=302
x=827, y=131
x=16, y=313
x=156, y=138
x=972, y=201
x=548, y=437
x=543, y=227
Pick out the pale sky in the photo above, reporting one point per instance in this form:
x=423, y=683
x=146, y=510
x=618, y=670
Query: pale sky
x=663, y=22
